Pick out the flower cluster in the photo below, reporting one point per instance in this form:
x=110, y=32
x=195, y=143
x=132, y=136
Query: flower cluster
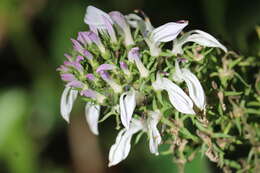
x=122, y=65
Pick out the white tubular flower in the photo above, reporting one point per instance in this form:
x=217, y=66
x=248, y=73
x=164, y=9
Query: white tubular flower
x=121, y=148
x=153, y=133
x=101, y=21
x=127, y=105
x=196, y=36
x=68, y=97
x=92, y=112
x=134, y=56
x=177, y=96
x=123, y=27
x=196, y=91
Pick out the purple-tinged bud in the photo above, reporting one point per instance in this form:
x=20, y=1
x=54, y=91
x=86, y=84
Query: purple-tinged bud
x=77, y=46
x=120, y=20
x=83, y=38
x=105, y=67
x=74, y=64
x=79, y=58
x=95, y=38
x=109, y=28
x=75, y=84
x=90, y=76
x=62, y=68
x=93, y=95
x=134, y=56
x=124, y=67
x=88, y=55
x=68, y=56
x=67, y=77
x=106, y=77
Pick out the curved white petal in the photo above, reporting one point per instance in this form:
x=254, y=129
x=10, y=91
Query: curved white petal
x=177, y=96
x=153, y=133
x=68, y=97
x=196, y=91
x=95, y=17
x=167, y=32
x=121, y=148
x=92, y=113
x=204, y=39
x=199, y=37
x=127, y=105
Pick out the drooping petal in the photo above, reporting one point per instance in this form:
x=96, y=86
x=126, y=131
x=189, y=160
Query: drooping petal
x=121, y=148
x=153, y=133
x=92, y=113
x=196, y=91
x=127, y=105
x=68, y=97
x=177, y=96
x=167, y=32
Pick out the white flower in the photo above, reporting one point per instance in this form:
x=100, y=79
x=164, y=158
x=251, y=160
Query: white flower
x=154, y=36
x=127, y=105
x=178, y=98
x=68, y=97
x=196, y=36
x=101, y=21
x=153, y=133
x=134, y=57
x=92, y=112
x=196, y=91
x=121, y=148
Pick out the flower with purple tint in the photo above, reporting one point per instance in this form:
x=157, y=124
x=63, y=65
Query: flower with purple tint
x=75, y=84
x=84, y=38
x=102, y=71
x=134, y=56
x=105, y=67
x=100, y=21
x=95, y=38
x=90, y=77
x=77, y=46
x=88, y=55
x=63, y=68
x=93, y=95
x=67, y=77
x=124, y=67
x=76, y=65
x=123, y=27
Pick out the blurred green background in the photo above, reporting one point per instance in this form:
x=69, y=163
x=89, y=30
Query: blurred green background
x=34, y=35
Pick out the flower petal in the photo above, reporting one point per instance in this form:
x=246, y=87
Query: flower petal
x=153, y=133
x=121, y=148
x=204, y=39
x=167, y=32
x=196, y=36
x=68, y=97
x=196, y=91
x=94, y=17
x=127, y=105
x=177, y=96
x=92, y=112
